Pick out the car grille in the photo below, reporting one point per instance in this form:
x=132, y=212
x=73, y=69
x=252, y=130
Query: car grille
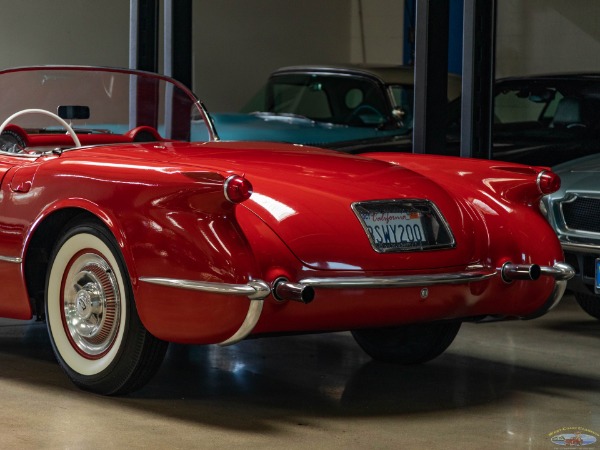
x=583, y=214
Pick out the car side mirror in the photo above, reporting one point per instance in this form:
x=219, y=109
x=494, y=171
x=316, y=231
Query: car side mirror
x=399, y=115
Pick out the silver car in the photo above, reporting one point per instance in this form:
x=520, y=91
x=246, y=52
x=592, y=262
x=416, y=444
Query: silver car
x=574, y=212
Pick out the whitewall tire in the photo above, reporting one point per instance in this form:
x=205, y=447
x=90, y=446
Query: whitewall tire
x=93, y=324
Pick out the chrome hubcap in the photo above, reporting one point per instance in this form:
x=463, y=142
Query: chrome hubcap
x=91, y=304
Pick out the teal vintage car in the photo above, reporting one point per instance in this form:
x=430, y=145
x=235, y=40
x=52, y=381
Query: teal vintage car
x=319, y=105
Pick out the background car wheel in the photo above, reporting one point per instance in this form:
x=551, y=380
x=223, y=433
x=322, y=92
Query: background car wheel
x=408, y=344
x=590, y=303
x=94, y=327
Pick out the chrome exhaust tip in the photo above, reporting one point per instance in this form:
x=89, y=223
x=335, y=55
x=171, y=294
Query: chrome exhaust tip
x=285, y=290
x=511, y=272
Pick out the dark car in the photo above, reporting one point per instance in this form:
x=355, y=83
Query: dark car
x=538, y=120
x=574, y=213
x=546, y=119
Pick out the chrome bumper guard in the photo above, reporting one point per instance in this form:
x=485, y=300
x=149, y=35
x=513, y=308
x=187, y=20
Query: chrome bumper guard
x=258, y=290
x=560, y=271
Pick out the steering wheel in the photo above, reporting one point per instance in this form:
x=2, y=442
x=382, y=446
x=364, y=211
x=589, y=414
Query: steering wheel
x=362, y=109
x=68, y=127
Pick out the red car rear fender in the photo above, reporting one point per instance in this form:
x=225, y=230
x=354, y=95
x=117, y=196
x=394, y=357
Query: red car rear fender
x=466, y=176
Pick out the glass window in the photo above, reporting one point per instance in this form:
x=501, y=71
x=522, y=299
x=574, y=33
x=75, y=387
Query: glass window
x=348, y=100
x=525, y=105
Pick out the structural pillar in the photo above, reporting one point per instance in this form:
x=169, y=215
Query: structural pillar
x=478, y=73
x=431, y=76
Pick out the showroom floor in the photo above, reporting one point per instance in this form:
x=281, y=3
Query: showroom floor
x=504, y=385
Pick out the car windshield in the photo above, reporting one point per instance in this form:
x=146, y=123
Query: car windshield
x=97, y=101
x=552, y=110
x=337, y=99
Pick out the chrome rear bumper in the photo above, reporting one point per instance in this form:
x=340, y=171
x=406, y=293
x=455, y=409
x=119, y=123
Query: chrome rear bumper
x=257, y=290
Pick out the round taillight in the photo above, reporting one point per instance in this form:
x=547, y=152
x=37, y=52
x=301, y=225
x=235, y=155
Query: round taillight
x=237, y=189
x=548, y=182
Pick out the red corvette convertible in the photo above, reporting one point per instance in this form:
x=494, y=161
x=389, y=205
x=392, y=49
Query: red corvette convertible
x=124, y=236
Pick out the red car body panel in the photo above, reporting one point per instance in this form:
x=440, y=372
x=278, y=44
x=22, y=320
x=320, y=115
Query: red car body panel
x=181, y=184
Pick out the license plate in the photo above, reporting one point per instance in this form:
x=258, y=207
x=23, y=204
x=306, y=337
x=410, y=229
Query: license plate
x=400, y=225
x=597, y=287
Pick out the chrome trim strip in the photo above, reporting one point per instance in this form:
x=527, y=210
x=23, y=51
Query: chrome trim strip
x=560, y=272
x=11, y=259
x=254, y=290
x=538, y=181
x=402, y=281
x=210, y=124
x=248, y=325
x=580, y=247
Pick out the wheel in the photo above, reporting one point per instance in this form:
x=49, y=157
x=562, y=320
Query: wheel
x=590, y=303
x=94, y=327
x=408, y=344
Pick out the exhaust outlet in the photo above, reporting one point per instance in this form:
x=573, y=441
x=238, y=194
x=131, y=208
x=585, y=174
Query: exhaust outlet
x=286, y=290
x=511, y=272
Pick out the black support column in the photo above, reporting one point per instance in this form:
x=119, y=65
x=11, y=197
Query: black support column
x=178, y=64
x=479, y=35
x=178, y=40
x=143, y=35
x=431, y=76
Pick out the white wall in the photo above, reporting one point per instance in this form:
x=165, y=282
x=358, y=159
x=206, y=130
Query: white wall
x=238, y=42
x=64, y=32
x=377, y=28
x=541, y=36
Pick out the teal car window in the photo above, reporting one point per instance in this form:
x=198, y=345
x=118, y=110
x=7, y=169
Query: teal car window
x=343, y=100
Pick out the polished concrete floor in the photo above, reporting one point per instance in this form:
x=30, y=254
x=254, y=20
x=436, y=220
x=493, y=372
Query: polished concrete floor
x=510, y=385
